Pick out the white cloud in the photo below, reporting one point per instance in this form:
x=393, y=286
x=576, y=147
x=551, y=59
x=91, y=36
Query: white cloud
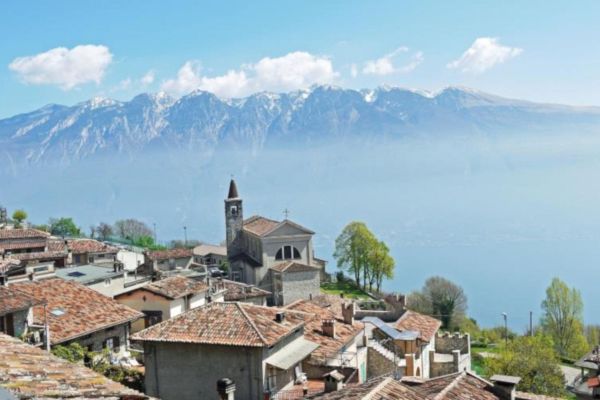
x=292, y=71
x=484, y=53
x=354, y=70
x=385, y=65
x=124, y=84
x=65, y=68
x=148, y=78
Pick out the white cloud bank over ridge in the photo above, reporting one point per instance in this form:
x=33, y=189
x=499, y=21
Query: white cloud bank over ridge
x=65, y=68
x=385, y=65
x=484, y=53
x=293, y=71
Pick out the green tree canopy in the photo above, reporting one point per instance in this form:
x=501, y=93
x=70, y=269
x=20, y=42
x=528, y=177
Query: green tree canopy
x=19, y=216
x=562, y=319
x=441, y=299
x=63, y=227
x=534, y=360
x=381, y=264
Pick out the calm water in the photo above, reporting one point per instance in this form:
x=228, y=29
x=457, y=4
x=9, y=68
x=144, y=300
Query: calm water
x=499, y=216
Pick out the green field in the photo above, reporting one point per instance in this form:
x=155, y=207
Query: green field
x=348, y=288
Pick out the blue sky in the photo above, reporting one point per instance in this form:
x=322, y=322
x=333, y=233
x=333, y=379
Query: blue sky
x=68, y=51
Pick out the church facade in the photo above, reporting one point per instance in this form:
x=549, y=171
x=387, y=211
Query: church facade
x=273, y=255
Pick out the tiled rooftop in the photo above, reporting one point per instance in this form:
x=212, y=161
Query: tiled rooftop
x=205, y=249
x=413, y=321
x=28, y=373
x=259, y=225
x=6, y=264
x=176, y=287
x=458, y=386
x=329, y=347
x=84, y=246
x=22, y=233
x=232, y=324
x=74, y=310
x=40, y=255
x=292, y=266
x=20, y=244
x=12, y=300
x=168, y=254
x=235, y=291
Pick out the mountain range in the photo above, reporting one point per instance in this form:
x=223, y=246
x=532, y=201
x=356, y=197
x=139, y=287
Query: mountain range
x=202, y=121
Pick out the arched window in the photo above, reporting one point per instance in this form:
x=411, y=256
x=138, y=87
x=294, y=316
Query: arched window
x=288, y=253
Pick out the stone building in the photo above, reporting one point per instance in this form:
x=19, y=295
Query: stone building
x=260, y=348
x=277, y=256
x=16, y=312
x=75, y=313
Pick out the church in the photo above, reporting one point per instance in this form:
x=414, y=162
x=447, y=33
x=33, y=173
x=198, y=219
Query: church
x=273, y=255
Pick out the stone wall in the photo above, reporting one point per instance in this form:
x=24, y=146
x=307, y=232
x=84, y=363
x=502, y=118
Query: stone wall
x=378, y=364
x=446, y=342
x=300, y=285
x=96, y=340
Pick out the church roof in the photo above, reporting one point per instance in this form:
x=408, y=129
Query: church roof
x=233, y=192
x=261, y=226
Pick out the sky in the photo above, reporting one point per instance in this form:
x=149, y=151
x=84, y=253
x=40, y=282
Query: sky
x=70, y=51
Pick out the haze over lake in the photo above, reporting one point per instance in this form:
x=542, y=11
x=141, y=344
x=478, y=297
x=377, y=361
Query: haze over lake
x=500, y=215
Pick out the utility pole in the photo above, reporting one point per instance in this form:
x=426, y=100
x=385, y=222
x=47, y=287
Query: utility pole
x=530, y=323
x=154, y=226
x=185, y=234
x=505, y=315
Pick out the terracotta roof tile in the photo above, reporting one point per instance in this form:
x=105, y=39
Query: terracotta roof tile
x=176, y=287
x=292, y=266
x=259, y=225
x=235, y=291
x=378, y=388
x=19, y=244
x=7, y=264
x=83, y=246
x=29, y=372
x=329, y=347
x=168, y=254
x=12, y=300
x=205, y=249
x=231, y=324
x=40, y=255
x=83, y=310
x=413, y=321
x=22, y=233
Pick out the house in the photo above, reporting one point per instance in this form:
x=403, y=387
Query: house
x=587, y=384
x=110, y=281
x=260, y=348
x=238, y=291
x=16, y=311
x=75, y=313
x=413, y=346
x=90, y=251
x=33, y=248
x=210, y=255
x=340, y=340
x=260, y=250
x=456, y=386
x=168, y=260
x=169, y=297
x=27, y=372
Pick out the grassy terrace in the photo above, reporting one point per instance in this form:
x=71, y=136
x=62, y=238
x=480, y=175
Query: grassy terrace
x=349, y=289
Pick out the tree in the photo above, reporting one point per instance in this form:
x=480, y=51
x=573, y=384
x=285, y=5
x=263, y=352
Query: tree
x=441, y=299
x=132, y=229
x=381, y=264
x=533, y=359
x=352, y=249
x=562, y=319
x=19, y=216
x=592, y=334
x=104, y=230
x=63, y=227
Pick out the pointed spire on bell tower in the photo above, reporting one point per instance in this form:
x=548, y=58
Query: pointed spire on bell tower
x=233, y=192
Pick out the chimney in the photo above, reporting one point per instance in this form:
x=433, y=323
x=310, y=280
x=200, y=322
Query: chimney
x=280, y=316
x=328, y=327
x=348, y=313
x=334, y=381
x=505, y=386
x=226, y=389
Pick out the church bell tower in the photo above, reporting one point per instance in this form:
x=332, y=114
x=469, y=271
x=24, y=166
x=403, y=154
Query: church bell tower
x=234, y=220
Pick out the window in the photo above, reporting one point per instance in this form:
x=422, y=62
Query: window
x=113, y=344
x=236, y=276
x=152, y=318
x=288, y=253
x=234, y=210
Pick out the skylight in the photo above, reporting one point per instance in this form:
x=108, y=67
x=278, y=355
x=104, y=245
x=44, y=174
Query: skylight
x=57, y=312
x=76, y=274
